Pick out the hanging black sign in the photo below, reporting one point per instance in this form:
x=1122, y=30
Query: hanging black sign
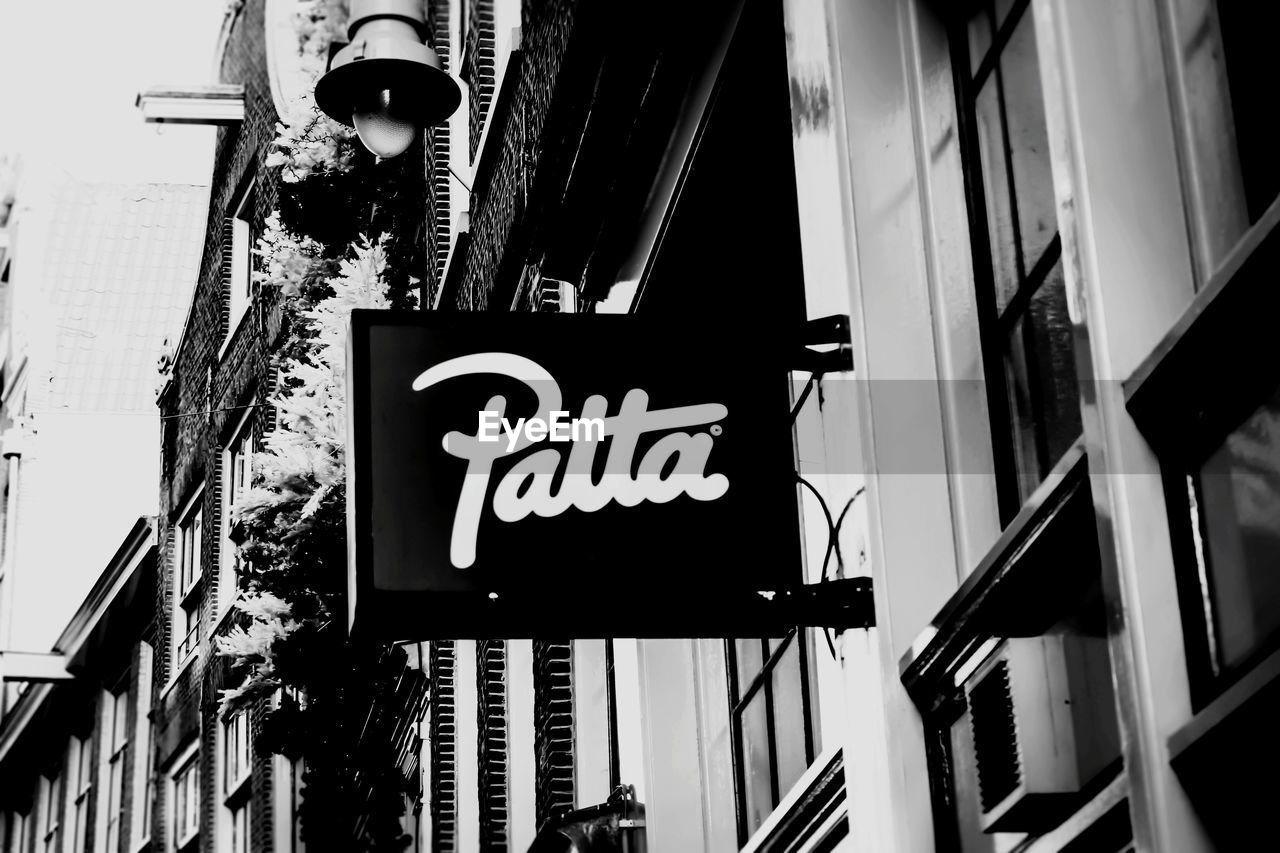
x=559, y=475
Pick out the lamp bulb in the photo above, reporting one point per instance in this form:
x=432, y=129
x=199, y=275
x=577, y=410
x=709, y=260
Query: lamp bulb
x=380, y=129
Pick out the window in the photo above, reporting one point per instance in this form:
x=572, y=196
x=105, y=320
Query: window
x=80, y=767
x=237, y=463
x=1225, y=517
x=771, y=723
x=15, y=838
x=48, y=819
x=234, y=783
x=286, y=780
x=297, y=770
x=143, y=784
x=115, y=729
x=1224, y=49
x=185, y=788
x=240, y=828
x=1025, y=328
x=186, y=617
x=237, y=263
x=236, y=753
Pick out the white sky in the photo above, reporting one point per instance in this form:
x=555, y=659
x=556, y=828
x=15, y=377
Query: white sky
x=70, y=71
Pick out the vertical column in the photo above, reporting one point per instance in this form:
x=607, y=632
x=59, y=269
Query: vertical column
x=1128, y=272
x=591, y=722
x=467, y=754
x=522, y=823
x=689, y=797
x=865, y=250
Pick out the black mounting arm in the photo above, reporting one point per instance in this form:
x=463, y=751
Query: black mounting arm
x=824, y=330
x=842, y=604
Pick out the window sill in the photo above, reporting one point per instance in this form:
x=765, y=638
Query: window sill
x=192, y=590
x=1177, y=396
x=226, y=611
x=239, y=790
x=177, y=673
x=1002, y=597
x=1221, y=755
x=814, y=811
x=233, y=328
x=1100, y=824
x=488, y=154
x=1232, y=703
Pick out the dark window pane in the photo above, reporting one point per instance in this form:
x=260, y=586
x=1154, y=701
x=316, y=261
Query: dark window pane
x=1248, y=32
x=1055, y=357
x=1044, y=396
x=1239, y=506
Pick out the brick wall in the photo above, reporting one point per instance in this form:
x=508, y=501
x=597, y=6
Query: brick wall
x=506, y=174
x=202, y=403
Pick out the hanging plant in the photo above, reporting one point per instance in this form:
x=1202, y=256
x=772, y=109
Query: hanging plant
x=347, y=235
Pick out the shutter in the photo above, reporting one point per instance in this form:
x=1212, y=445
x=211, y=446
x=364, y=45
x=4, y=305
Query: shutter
x=553, y=727
x=444, y=766
x=224, y=271
x=491, y=693
x=479, y=66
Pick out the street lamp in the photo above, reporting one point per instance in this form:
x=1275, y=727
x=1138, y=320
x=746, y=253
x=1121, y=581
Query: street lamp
x=386, y=82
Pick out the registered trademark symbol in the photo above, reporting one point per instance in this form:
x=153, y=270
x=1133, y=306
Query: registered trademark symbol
x=716, y=429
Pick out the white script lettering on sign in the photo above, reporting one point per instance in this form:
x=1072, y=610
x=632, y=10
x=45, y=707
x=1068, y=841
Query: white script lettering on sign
x=527, y=487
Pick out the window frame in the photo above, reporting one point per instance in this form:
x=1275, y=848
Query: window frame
x=187, y=582
x=16, y=832
x=241, y=749
x=1211, y=249
x=229, y=559
x=187, y=764
x=142, y=781
x=995, y=325
x=49, y=814
x=1182, y=408
x=238, y=258
x=760, y=687
x=115, y=752
x=79, y=794
x=234, y=772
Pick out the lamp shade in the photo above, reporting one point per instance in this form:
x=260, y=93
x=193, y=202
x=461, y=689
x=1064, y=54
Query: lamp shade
x=386, y=82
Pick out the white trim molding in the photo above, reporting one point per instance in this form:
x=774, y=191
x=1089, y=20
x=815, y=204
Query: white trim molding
x=219, y=104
